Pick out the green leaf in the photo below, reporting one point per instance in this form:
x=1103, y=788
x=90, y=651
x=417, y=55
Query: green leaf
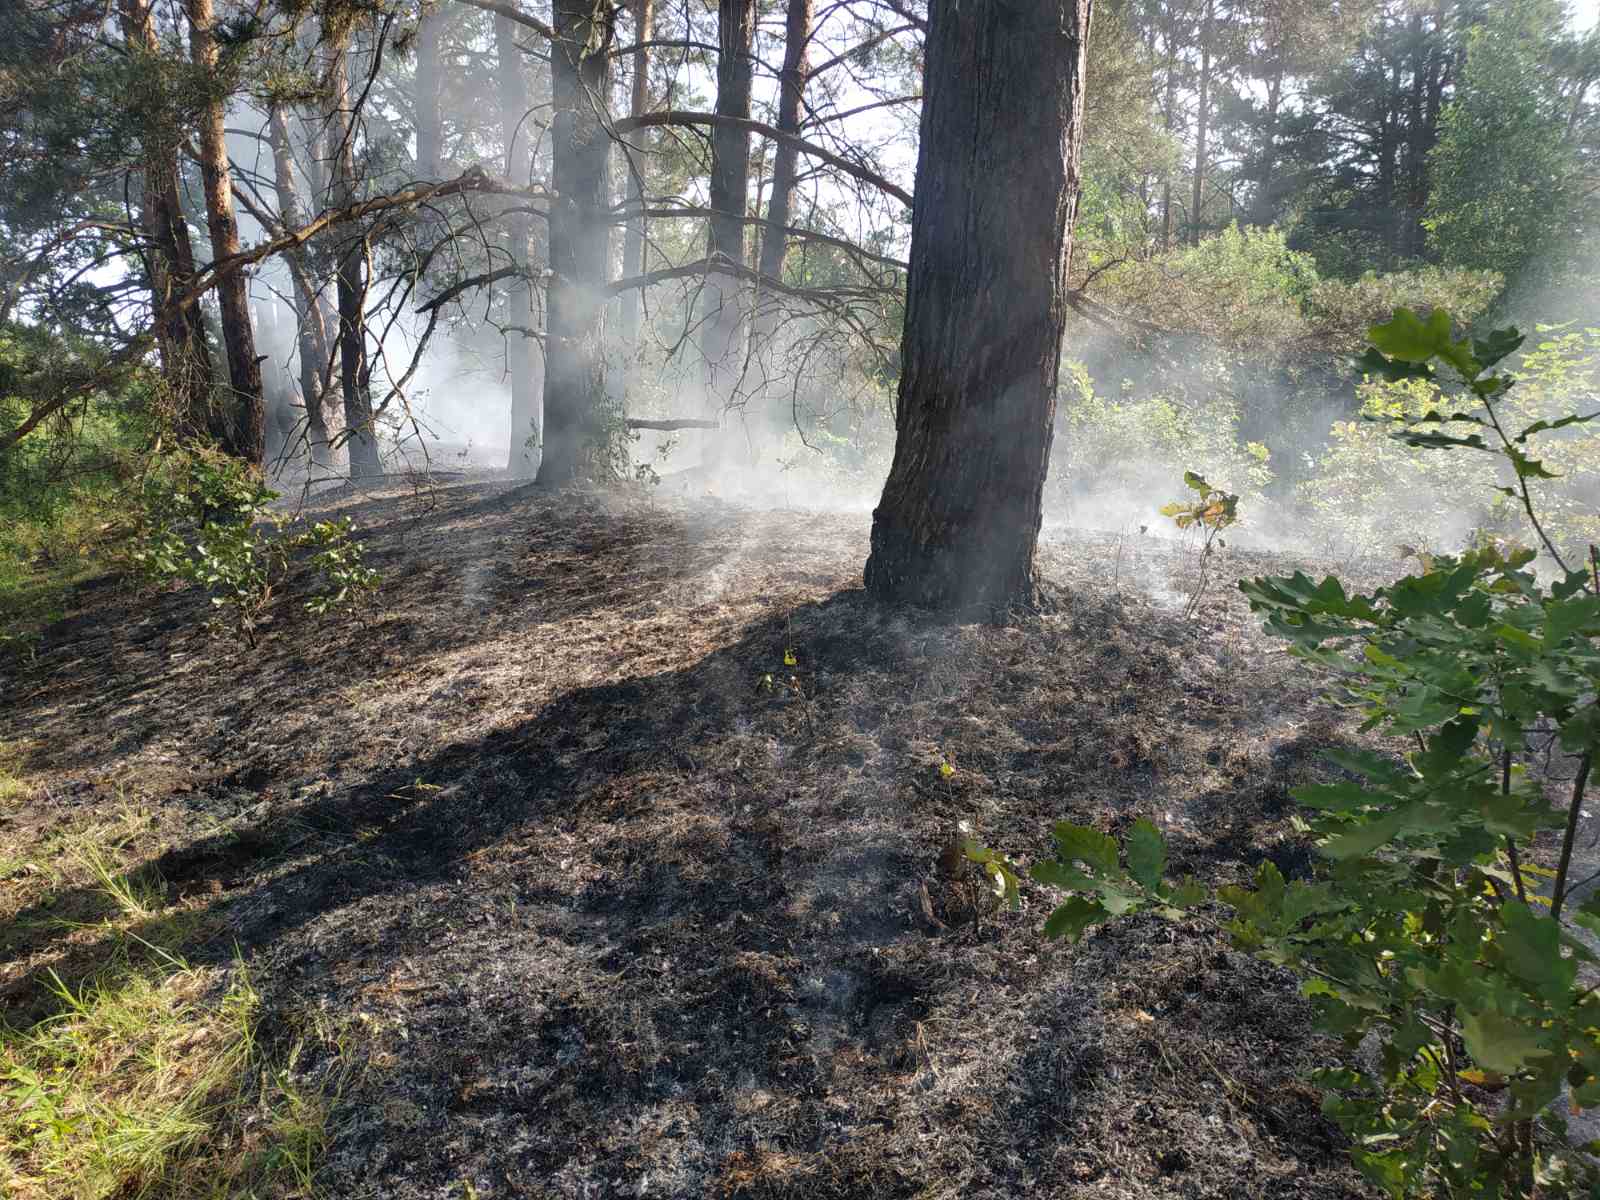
x=1410, y=338
x=1082, y=843
x=1501, y=1043
x=1562, y=423
x=1055, y=873
x=1426, y=440
x=1364, y=839
x=1186, y=894
x=1073, y=917
x=1532, y=946
x=1499, y=344
x=1386, y=1171
x=1528, y=468
x=1373, y=363
x=1147, y=854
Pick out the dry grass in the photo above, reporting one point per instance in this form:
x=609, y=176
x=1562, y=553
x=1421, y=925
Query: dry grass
x=614, y=918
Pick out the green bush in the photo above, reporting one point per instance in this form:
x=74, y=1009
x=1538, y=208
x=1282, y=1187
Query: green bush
x=1112, y=455
x=207, y=521
x=1370, y=493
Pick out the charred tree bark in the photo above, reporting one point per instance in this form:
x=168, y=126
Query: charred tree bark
x=311, y=335
x=644, y=18
x=240, y=427
x=574, y=380
x=169, y=266
x=722, y=315
x=355, y=369
x=986, y=305
x=522, y=364
x=786, y=158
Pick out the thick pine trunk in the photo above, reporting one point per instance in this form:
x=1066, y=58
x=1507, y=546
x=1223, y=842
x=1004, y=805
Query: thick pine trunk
x=311, y=336
x=522, y=364
x=722, y=304
x=170, y=267
x=958, y=523
x=644, y=17
x=355, y=370
x=786, y=159
x=241, y=424
x=574, y=380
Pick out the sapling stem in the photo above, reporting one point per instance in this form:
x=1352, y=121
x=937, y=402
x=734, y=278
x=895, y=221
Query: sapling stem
x=1511, y=843
x=1522, y=483
x=1558, y=895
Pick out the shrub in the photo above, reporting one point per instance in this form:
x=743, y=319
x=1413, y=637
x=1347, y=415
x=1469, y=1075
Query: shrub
x=1112, y=456
x=207, y=521
x=1372, y=493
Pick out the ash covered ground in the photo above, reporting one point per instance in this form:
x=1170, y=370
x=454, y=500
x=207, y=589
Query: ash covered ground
x=601, y=902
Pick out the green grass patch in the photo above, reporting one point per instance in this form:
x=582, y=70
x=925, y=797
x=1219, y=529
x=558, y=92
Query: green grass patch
x=125, y=1071
x=152, y=1082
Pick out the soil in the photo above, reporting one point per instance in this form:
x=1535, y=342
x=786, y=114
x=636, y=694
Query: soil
x=612, y=901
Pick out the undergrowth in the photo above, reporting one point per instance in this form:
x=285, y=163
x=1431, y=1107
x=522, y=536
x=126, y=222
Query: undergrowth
x=145, y=1075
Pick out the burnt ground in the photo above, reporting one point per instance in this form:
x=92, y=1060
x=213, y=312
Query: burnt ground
x=603, y=913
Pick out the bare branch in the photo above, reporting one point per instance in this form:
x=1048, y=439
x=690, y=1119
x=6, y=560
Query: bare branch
x=681, y=118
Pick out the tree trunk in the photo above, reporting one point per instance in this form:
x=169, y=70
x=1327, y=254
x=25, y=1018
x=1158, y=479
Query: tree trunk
x=1168, y=115
x=527, y=377
x=1202, y=125
x=986, y=305
x=241, y=425
x=430, y=124
x=311, y=335
x=1266, y=198
x=575, y=443
x=355, y=371
x=786, y=159
x=644, y=17
x=170, y=267
x=722, y=305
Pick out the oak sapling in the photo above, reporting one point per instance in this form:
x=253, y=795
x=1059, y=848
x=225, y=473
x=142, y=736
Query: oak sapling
x=208, y=521
x=1212, y=511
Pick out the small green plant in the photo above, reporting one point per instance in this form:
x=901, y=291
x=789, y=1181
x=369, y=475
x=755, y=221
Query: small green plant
x=210, y=523
x=1432, y=928
x=1212, y=511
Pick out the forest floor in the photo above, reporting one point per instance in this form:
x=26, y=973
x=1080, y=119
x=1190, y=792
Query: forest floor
x=574, y=902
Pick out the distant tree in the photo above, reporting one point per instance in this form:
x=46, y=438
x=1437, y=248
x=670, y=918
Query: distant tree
x=786, y=158
x=574, y=381
x=522, y=362
x=240, y=424
x=1505, y=176
x=722, y=303
x=991, y=225
x=644, y=25
x=355, y=365
x=168, y=262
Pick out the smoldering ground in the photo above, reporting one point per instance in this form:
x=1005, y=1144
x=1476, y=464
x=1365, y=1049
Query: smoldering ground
x=608, y=896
